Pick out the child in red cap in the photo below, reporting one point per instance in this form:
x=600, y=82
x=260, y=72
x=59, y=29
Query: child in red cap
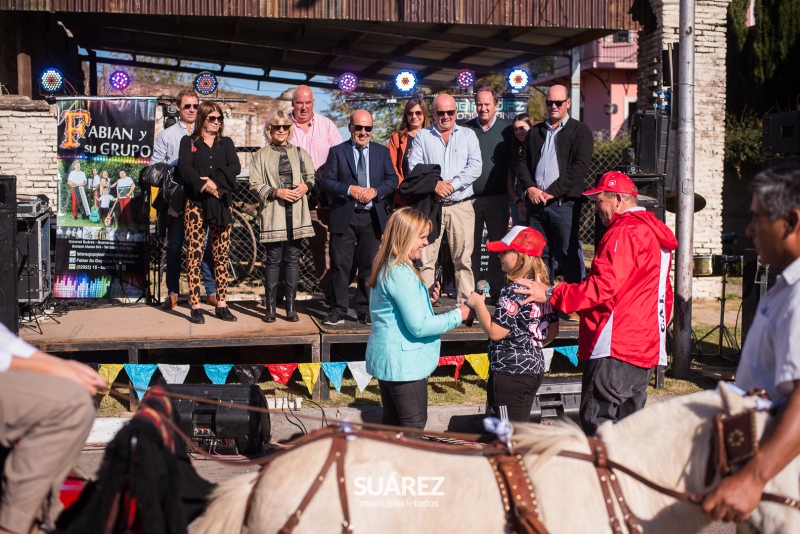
x=516, y=332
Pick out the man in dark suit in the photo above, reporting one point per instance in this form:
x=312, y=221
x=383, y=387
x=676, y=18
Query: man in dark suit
x=358, y=177
x=553, y=167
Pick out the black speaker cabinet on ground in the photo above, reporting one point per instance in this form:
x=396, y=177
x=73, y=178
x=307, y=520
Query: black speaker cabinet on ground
x=780, y=133
x=756, y=280
x=557, y=397
x=226, y=430
x=33, y=258
x=9, y=311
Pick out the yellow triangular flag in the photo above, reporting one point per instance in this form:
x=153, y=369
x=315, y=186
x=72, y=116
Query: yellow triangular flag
x=310, y=374
x=110, y=372
x=479, y=362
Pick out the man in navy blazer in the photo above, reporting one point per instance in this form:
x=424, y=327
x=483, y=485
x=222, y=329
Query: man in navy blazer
x=358, y=178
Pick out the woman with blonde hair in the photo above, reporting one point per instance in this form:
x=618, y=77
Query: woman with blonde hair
x=403, y=346
x=517, y=332
x=281, y=175
x=415, y=118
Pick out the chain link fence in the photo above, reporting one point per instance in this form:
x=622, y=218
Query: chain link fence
x=606, y=157
x=246, y=259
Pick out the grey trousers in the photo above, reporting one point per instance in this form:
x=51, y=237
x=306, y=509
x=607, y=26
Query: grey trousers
x=44, y=420
x=611, y=390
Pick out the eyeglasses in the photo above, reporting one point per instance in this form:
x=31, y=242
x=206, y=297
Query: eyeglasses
x=414, y=114
x=282, y=127
x=191, y=106
x=215, y=118
x=358, y=128
x=443, y=112
x=556, y=103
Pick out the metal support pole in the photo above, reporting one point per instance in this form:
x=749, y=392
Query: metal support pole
x=681, y=358
x=92, y=73
x=575, y=83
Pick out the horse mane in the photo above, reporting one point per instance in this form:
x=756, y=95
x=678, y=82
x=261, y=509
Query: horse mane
x=547, y=440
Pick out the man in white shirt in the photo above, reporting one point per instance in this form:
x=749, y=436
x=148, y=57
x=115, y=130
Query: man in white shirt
x=75, y=180
x=47, y=413
x=771, y=354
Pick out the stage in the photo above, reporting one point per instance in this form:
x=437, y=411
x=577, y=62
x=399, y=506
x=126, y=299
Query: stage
x=135, y=328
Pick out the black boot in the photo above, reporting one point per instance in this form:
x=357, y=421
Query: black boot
x=291, y=297
x=271, y=295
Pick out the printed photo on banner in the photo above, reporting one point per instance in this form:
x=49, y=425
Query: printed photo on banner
x=103, y=219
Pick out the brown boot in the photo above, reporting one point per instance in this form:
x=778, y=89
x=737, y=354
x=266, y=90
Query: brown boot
x=170, y=302
x=211, y=300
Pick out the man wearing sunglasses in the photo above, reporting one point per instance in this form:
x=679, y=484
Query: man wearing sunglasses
x=552, y=168
x=456, y=150
x=358, y=177
x=166, y=149
x=491, y=198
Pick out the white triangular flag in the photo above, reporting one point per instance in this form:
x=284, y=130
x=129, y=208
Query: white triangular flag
x=359, y=372
x=548, y=357
x=173, y=374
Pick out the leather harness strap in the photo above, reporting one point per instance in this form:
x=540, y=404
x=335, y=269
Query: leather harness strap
x=516, y=489
x=611, y=488
x=335, y=455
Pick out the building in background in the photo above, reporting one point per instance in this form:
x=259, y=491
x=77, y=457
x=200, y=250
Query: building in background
x=608, y=80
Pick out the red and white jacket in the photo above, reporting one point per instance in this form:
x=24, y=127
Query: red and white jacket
x=626, y=301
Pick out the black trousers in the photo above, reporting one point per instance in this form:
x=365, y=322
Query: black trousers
x=360, y=243
x=515, y=392
x=611, y=390
x=290, y=250
x=405, y=403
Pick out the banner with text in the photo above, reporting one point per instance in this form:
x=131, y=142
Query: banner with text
x=101, y=239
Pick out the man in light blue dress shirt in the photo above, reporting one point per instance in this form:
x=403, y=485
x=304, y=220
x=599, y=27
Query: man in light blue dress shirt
x=457, y=151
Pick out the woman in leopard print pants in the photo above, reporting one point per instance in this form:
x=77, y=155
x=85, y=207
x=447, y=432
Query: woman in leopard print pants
x=209, y=166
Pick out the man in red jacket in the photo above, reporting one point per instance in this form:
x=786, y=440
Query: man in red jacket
x=624, y=304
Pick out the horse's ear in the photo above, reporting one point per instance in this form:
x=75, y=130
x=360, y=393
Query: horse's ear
x=732, y=402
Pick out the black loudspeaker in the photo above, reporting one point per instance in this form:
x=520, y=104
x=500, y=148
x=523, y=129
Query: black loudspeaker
x=756, y=279
x=33, y=258
x=9, y=311
x=780, y=133
x=557, y=397
x=654, y=145
x=226, y=430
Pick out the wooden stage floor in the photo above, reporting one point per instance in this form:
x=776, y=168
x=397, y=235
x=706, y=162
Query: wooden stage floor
x=137, y=327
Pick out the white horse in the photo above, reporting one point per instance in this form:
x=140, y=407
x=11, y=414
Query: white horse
x=395, y=488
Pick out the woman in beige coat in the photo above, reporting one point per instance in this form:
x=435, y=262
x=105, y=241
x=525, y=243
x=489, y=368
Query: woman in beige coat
x=281, y=175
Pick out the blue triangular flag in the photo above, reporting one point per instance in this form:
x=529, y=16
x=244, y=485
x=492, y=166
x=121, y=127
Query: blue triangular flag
x=570, y=352
x=218, y=373
x=334, y=372
x=140, y=374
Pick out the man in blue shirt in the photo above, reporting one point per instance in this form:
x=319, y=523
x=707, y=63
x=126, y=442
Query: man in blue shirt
x=456, y=150
x=166, y=149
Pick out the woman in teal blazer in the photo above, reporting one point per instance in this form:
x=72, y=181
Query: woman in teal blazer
x=403, y=346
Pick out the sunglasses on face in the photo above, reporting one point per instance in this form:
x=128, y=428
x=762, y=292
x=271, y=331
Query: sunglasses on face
x=282, y=127
x=191, y=106
x=556, y=103
x=443, y=112
x=215, y=118
x=358, y=128
x=414, y=114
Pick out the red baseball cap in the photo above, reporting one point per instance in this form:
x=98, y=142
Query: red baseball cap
x=522, y=239
x=614, y=182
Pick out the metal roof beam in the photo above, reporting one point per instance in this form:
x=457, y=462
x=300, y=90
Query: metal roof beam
x=433, y=35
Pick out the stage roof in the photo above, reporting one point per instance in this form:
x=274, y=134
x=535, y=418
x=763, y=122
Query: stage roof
x=375, y=39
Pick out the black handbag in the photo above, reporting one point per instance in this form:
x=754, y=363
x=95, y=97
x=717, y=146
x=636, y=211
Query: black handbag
x=174, y=192
x=155, y=174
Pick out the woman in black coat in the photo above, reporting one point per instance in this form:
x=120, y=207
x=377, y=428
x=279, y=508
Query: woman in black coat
x=209, y=167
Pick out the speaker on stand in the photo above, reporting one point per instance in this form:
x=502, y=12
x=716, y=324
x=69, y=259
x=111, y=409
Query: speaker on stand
x=9, y=311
